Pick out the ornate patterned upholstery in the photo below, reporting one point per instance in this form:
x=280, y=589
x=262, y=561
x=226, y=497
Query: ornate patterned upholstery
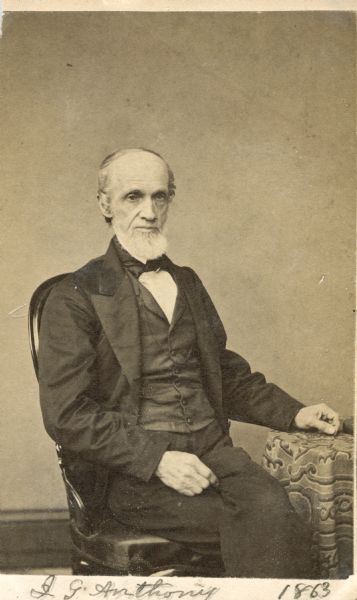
x=317, y=471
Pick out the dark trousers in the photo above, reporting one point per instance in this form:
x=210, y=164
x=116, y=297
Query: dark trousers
x=249, y=514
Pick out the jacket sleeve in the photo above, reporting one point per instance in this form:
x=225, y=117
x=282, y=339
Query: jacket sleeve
x=247, y=396
x=74, y=415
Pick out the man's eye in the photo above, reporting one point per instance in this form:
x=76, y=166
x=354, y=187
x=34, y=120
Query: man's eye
x=133, y=197
x=161, y=198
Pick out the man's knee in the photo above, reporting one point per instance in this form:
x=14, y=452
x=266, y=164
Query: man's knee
x=253, y=490
x=273, y=499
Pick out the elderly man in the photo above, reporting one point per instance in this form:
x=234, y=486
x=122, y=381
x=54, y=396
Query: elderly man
x=137, y=386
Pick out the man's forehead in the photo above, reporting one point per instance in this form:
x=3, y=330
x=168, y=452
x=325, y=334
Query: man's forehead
x=138, y=167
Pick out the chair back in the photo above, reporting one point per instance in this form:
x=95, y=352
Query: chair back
x=36, y=306
x=76, y=506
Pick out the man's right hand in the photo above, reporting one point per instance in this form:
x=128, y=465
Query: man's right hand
x=184, y=472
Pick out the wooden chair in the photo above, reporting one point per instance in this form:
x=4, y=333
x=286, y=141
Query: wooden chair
x=105, y=547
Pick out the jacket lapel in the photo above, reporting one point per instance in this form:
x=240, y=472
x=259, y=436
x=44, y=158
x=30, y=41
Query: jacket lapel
x=114, y=302
x=209, y=352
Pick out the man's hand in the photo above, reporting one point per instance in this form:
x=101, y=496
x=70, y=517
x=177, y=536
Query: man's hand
x=320, y=417
x=184, y=472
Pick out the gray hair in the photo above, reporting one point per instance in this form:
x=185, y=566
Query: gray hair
x=103, y=173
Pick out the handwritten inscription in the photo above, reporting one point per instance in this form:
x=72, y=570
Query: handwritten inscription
x=79, y=589
x=108, y=590
x=304, y=591
x=46, y=588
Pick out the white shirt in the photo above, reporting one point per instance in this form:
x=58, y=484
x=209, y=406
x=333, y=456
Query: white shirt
x=164, y=289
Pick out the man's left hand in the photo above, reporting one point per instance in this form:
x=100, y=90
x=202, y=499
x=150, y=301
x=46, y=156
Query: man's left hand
x=318, y=416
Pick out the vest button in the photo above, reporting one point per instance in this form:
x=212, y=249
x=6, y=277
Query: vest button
x=184, y=402
x=188, y=420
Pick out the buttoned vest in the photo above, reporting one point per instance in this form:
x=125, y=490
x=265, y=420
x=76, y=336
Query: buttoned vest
x=172, y=396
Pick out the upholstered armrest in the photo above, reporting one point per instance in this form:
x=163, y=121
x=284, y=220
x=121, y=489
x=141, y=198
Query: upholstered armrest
x=317, y=473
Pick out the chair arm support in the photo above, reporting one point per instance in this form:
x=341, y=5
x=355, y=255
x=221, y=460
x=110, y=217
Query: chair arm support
x=77, y=508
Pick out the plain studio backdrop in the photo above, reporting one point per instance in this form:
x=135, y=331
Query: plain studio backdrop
x=255, y=114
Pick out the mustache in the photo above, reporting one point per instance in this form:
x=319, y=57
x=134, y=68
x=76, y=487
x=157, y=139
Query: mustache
x=143, y=229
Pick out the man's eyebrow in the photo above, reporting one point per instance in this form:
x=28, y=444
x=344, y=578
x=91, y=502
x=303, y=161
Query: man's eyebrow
x=160, y=191
x=141, y=193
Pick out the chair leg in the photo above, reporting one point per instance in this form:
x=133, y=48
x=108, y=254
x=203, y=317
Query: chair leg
x=79, y=565
x=84, y=566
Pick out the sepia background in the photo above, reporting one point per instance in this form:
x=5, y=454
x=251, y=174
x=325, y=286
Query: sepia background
x=255, y=114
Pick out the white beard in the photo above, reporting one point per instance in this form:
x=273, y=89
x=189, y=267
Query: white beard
x=143, y=245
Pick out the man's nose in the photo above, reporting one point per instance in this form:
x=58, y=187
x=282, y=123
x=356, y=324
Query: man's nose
x=148, y=209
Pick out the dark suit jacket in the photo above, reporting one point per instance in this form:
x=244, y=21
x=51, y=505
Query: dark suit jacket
x=89, y=358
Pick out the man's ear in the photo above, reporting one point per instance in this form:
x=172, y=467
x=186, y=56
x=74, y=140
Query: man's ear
x=104, y=204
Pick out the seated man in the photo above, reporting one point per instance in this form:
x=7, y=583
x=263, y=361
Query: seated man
x=137, y=386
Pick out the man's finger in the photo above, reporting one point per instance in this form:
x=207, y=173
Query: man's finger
x=330, y=415
x=201, y=469
x=323, y=426
x=199, y=480
x=213, y=479
x=186, y=492
x=192, y=488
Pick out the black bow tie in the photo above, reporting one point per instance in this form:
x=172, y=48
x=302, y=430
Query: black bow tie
x=157, y=264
